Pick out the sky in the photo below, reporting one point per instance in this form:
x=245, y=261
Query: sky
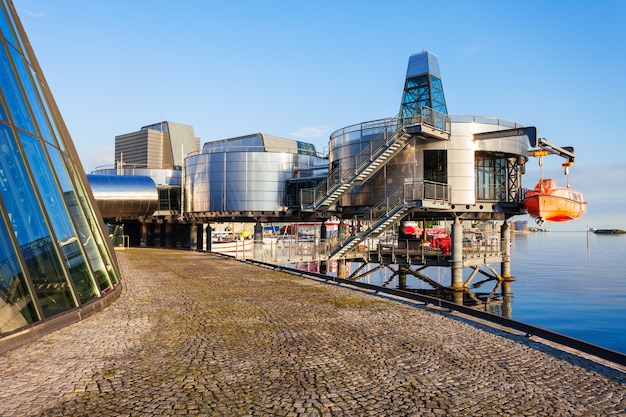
x=303, y=69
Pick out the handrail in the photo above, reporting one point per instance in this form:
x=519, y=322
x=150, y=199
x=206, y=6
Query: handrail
x=392, y=204
x=386, y=133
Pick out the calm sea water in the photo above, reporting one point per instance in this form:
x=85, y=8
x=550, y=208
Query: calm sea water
x=572, y=283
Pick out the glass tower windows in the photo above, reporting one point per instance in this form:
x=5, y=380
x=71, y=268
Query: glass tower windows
x=424, y=90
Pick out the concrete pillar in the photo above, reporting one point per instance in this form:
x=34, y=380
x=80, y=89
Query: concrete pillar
x=402, y=278
x=143, y=235
x=505, y=241
x=341, y=268
x=258, y=241
x=457, y=255
x=457, y=297
x=193, y=237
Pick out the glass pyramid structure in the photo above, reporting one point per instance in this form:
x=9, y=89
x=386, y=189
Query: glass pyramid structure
x=54, y=255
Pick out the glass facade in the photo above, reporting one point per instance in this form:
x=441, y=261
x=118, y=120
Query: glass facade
x=54, y=255
x=491, y=176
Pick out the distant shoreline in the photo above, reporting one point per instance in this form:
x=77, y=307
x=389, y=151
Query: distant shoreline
x=609, y=231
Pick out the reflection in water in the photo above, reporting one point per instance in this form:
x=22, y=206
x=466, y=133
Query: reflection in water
x=488, y=295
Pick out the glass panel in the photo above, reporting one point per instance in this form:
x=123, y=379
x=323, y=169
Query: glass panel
x=91, y=222
x=6, y=29
x=55, y=133
x=34, y=238
x=31, y=94
x=16, y=305
x=436, y=166
x=13, y=96
x=85, y=234
x=69, y=245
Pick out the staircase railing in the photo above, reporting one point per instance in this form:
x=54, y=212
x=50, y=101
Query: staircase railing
x=388, y=133
x=388, y=211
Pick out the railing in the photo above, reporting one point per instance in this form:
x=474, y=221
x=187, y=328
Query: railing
x=427, y=190
x=429, y=117
x=385, y=133
x=362, y=226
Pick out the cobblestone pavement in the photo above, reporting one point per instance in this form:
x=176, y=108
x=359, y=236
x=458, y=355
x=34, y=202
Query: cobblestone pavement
x=194, y=334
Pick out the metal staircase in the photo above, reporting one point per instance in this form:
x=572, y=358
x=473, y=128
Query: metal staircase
x=391, y=217
x=393, y=137
x=391, y=210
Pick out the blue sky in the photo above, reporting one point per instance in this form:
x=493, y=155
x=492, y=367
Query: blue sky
x=305, y=69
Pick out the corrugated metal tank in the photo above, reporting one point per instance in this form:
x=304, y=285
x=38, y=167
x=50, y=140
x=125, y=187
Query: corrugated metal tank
x=408, y=165
x=124, y=196
x=244, y=174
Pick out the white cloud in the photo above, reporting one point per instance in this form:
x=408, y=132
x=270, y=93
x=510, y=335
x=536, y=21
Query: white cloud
x=311, y=132
x=31, y=13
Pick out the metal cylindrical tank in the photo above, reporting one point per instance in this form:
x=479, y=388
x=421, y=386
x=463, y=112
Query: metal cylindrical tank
x=124, y=196
x=232, y=179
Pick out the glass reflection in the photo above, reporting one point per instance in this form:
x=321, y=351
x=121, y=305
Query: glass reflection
x=69, y=245
x=31, y=232
x=16, y=304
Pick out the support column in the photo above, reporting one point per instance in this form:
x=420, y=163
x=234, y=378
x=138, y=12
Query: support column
x=143, y=235
x=193, y=236
x=209, y=237
x=200, y=237
x=505, y=241
x=341, y=269
x=258, y=241
x=402, y=278
x=457, y=255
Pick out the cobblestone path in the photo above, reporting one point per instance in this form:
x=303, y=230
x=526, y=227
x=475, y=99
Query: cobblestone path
x=198, y=335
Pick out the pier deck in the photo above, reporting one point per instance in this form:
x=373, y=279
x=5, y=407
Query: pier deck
x=197, y=334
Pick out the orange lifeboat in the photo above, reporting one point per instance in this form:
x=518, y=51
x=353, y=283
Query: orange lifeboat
x=548, y=202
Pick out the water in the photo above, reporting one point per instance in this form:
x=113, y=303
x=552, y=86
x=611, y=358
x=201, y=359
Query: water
x=572, y=283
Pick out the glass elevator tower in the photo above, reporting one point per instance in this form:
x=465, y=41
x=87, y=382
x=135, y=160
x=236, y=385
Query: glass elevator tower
x=423, y=87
